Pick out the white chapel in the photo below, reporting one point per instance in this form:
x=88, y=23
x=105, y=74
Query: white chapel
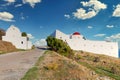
x=76, y=41
x=14, y=36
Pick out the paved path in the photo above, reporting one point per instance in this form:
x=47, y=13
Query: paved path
x=13, y=66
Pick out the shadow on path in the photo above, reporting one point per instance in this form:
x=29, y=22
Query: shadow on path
x=43, y=48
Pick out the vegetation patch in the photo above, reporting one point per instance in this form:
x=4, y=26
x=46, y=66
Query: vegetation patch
x=101, y=64
x=31, y=74
x=52, y=66
x=60, y=46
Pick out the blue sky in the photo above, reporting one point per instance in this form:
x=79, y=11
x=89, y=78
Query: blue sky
x=95, y=19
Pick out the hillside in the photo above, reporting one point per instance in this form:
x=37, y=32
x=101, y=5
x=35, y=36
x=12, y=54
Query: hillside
x=2, y=33
x=6, y=47
x=101, y=64
x=52, y=66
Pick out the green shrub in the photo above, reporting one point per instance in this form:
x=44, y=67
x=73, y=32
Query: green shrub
x=59, y=46
x=24, y=34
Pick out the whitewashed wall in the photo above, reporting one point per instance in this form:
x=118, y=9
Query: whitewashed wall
x=13, y=35
x=61, y=35
x=98, y=47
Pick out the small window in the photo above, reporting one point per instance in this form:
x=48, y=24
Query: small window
x=21, y=42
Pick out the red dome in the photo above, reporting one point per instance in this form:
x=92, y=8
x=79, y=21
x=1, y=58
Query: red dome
x=76, y=33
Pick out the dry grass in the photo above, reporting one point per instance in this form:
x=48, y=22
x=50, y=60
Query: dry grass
x=52, y=66
x=6, y=47
x=102, y=64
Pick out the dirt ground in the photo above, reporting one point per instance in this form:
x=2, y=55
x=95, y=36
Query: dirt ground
x=13, y=66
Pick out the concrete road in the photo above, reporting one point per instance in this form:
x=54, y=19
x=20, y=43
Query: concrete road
x=13, y=66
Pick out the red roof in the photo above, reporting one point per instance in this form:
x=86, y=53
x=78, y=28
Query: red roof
x=76, y=33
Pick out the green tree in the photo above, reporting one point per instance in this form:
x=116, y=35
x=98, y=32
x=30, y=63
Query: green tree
x=24, y=34
x=59, y=46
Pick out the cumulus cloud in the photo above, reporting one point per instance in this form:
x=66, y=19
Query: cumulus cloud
x=95, y=7
x=6, y=16
x=90, y=27
x=67, y=16
x=95, y=4
x=82, y=14
x=110, y=26
x=41, y=42
x=99, y=35
x=116, y=12
x=10, y=1
x=30, y=36
x=31, y=2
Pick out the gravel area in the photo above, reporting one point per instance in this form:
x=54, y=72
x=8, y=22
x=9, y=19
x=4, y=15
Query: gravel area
x=13, y=66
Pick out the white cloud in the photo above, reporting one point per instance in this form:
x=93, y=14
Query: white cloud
x=94, y=8
x=31, y=2
x=6, y=16
x=115, y=37
x=10, y=1
x=90, y=27
x=82, y=14
x=41, y=42
x=95, y=4
x=30, y=36
x=99, y=35
x=67, y=16
x=116, y=12
x=110, y=26
x=18, y=5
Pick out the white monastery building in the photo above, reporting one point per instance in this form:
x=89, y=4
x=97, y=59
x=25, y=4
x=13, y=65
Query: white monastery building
x=76, y=41
x=14, y=36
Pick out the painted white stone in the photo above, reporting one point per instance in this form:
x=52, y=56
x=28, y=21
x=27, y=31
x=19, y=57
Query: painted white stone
x=14, y=36
x=77, y=42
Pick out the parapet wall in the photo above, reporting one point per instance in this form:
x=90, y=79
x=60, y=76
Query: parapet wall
x=98, y=47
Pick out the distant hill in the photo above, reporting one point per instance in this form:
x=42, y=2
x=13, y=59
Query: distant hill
x=6, y=47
